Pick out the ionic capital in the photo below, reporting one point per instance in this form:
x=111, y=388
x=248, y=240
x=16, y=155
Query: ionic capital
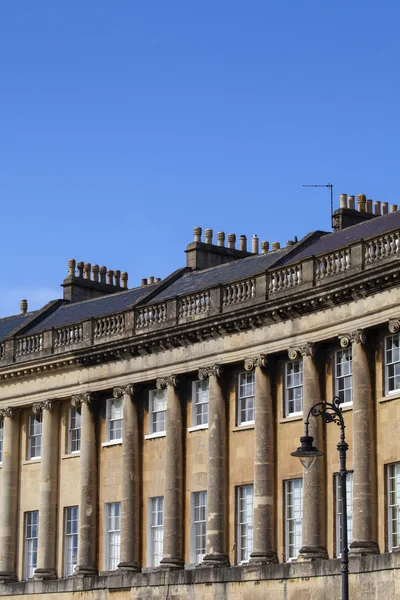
x=307, y=349
x=39, y=407
x=355, y=337
x=207, y=372
x=394, y=325
x=118, y=392
x=163, y=382
x=85, y=398
x=10, y=412
x=256, y=361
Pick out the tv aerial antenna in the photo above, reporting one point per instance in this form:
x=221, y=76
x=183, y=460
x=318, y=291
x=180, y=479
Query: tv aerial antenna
x=323, y=185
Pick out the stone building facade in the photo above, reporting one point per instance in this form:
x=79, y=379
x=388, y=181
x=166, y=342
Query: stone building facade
x=145, y=433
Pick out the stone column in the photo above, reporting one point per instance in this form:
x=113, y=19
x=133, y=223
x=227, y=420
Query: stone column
x=9, y=494
x=217, y=494
x=130, y=504
x=314, y=495
x=364, y=476
x=264, y=534
x=87, y=539
x=173, y=494
x=48, y=490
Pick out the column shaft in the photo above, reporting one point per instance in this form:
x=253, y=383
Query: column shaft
x=173, y=494
x=314, y=498
x=264, y=541
x=130, y=504
x=364, y=477
x=88, y=494
x=216, y=554
x=48, y=492
x=9, y=495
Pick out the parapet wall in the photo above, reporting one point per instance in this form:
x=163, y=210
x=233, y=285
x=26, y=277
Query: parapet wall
x=371, y=578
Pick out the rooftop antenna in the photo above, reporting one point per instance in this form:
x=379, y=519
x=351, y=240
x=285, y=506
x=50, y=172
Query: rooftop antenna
x=325, y=185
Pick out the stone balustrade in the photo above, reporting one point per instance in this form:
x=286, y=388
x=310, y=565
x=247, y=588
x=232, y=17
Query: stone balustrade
x=195, y=304
x=238, y=292
x=66, y=336
x=2, y=351
x=109, y=326
x=382, y=247
x=333, y=263
x=31, y=344
x=285, y=278
x=151, y=315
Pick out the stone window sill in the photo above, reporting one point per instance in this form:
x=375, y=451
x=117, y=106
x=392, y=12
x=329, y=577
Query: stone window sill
x=112, y=443
x=32, y=461
x=197, y=428
x=72, y=455
x=153, y=436
x=292, y=419
x=389, y=397
x=244, y=427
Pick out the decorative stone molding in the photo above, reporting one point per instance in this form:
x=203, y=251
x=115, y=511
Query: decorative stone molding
x=9, y=412
x=118, y=392
x=307, y=349
x=394, y=325
x=85, y=398
x=163, y=382
x=207, y=372
x=355, y=337
x=256, y=361
x=39, y=407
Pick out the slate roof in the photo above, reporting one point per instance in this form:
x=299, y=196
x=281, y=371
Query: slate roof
x=333, y=241
x=8, y=324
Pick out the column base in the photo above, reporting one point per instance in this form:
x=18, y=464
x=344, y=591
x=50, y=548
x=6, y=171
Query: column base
x=129, y=566
x=7, y=577
x=170, y=564
x=308, y=553
x=363, y=548
x=85, y=571
x=215, y=560
x=263, y=558
x=41, y=574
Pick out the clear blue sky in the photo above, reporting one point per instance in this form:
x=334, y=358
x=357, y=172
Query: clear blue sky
x=125, y=124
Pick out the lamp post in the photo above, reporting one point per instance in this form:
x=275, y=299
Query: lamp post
x=307, y=453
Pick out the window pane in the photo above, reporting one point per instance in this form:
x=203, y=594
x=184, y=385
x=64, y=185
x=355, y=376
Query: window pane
x=245, y=522
x=293, y=517
x=199, y=526
x=245, y=409
x=31, y=543
x=71, y=540
x=200, y=399
x=74, y=430
x=349, y=502
x=157, y=411
x=393, y=485
x=392, y=363
x=344, y=379
x=293, y=387
x=113, y=535
x=156, y=530
x=35, y=436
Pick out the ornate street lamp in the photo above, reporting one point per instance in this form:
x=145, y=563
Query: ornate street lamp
x=307, y=453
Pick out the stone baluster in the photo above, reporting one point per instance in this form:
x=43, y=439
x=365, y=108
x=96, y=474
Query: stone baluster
x=216, y=544
x=264, y=536
x=48, y=490
x=130, y=504
x=87, y=534
x=173, y=494
x=314, y=493
x=364, y=476
x=9, y=494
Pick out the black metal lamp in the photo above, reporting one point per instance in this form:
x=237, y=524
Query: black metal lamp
x=307, y=453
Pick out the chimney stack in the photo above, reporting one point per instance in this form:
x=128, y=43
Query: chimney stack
x=254, y=244
x=23, y=307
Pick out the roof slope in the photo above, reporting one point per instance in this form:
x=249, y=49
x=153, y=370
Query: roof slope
x=8, y=324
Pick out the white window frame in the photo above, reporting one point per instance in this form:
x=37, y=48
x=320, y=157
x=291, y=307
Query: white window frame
x=31, y=521
x=393, y=505
x=244, y=522
x=338, y=511
x=74, y=443
x=155, y=529
x=288, y=400
x=200, y=394
x=293, y=490
x=112, y=535
x=392, y=363
x=198, y=532
x=344, y=381
x=154, y=431
x=244, y=400
x=33, y=437
x=71, y=532
x=112, y=436
x=1, y=438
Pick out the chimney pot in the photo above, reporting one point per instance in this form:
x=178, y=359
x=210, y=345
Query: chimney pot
x=275, y=246
x=264, y=247
x=150, y=280
x=117, y=278
x=393, y=208
x=221, y=238
x=231, y=240
x=361, y=201
x=377, y=208
x=79, y=267
x=103, y=271
x=197, y=231
x=343, y=200
x=157, y=280
x=369, y=206
x=95, y=272
x=385, y=207
x=71, y=267
x=124, y=277
x=87, y=267
x=254, y=244
x=144, y=282
x=243, y=243
x=110, y=274
x=289, y=243
x=351, y=202
x=208, y=236
x=23, y=307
